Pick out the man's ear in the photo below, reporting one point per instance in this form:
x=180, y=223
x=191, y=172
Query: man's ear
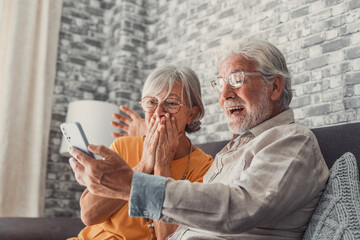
x=277, y=88
x=194, y=111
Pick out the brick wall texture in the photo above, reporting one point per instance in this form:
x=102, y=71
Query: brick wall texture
x=108, y=47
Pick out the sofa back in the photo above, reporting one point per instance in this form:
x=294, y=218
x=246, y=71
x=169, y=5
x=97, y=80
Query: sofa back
x=334, y=141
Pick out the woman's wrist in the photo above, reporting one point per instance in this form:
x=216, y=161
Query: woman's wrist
x=141, y=167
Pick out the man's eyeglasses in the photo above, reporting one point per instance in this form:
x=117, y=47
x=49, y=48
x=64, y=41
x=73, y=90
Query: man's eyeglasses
x=235, y=79
x=170, y=105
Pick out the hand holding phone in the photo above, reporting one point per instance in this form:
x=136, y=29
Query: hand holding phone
x=75, y=136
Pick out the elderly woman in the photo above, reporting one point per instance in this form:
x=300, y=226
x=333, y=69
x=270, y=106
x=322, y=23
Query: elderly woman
x=172, y=104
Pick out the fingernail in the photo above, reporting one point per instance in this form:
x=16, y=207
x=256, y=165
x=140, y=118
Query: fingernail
x=70, y=149
x=173, y=118
x=71, y=161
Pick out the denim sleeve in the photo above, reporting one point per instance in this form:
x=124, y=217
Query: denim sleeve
x=146, y=196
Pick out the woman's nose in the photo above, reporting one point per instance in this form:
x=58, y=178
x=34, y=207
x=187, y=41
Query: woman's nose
x=160, y=110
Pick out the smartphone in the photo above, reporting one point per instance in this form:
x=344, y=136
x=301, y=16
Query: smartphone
x=75, y=136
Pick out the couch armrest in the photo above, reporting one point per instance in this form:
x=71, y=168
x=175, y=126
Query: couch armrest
x=19, y=228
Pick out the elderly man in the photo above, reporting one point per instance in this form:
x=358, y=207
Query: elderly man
x=264, y=184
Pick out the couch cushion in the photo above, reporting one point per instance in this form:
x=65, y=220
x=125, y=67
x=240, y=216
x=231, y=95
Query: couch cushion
x=212, y=148
x=338, y=213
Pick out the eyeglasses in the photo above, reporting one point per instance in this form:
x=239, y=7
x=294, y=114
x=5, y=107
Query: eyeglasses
x=235, y=79
x=170, y=105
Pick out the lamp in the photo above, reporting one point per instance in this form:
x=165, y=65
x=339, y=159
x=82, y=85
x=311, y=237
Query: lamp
x=94, y=117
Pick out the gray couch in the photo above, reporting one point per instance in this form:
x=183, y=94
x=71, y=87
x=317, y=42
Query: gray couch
x=334, y=141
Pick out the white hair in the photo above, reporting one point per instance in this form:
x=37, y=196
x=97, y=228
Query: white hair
x=269, y=59
x=164, y=78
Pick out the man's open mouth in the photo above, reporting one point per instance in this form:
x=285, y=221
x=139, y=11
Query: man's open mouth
x=235, y=110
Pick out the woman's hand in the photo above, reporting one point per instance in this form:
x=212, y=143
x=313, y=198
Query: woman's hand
x=147, y=161
x=167, y=146
x=133, y=125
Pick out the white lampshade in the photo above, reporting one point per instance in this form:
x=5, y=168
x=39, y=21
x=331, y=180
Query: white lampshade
x=95, y=118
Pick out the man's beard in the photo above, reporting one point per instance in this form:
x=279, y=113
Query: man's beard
x=255, y=114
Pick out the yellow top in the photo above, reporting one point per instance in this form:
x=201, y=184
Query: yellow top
x=121, y=225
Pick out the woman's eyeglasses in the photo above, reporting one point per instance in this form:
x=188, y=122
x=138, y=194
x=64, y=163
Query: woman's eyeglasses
x=170, y=105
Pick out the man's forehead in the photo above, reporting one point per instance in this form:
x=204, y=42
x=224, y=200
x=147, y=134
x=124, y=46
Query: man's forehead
x=232, y=63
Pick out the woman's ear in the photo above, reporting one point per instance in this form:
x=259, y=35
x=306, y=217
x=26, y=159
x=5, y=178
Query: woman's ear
x=277, y=88
x=194, y=111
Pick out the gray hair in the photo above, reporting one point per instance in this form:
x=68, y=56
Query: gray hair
x=164, y=78
x=270, y=62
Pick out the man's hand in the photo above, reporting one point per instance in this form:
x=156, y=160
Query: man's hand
x=110, y=177
x=133, y=125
